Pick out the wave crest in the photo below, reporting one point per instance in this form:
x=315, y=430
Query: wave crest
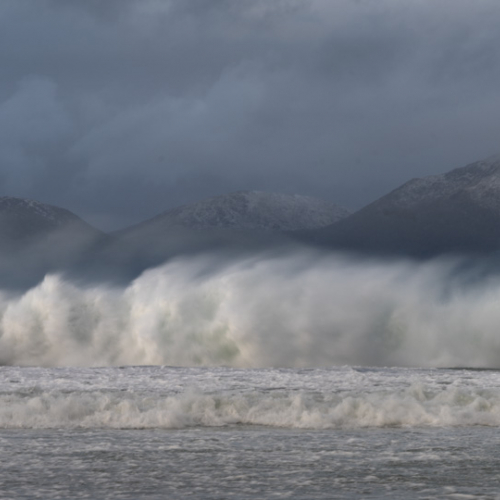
x=295, y=311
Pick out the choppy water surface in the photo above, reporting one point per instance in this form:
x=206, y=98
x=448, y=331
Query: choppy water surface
x=159, y=432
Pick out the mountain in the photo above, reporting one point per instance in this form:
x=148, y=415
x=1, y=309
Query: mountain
x=36, y=238
x=238, y=223
x=24, y=221
x=456, y=212
x=252, y=210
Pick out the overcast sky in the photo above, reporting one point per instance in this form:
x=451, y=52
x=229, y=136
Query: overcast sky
x=120, y=109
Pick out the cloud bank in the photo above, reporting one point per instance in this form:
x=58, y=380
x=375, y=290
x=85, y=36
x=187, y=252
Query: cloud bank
x=121, y=109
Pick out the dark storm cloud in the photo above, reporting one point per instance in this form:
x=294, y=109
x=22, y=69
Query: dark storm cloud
x=121, y=109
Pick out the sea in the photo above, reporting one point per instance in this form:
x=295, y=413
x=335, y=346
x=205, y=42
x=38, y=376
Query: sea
x=155, y=432
x=302, y=377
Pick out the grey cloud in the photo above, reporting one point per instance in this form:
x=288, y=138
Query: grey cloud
x=148, y=104
x=109, y=10
x=32, y=125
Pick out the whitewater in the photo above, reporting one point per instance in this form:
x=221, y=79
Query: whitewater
x=212, y=433
x=297, y=376
x=299, y=310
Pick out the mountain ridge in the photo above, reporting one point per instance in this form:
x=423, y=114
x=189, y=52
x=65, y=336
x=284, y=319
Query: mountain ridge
x=457, y=212
x=250, y=210
x=454, y=212
x=24, y=219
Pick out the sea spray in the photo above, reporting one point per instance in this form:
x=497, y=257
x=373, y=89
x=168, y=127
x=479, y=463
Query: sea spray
x=301, y=310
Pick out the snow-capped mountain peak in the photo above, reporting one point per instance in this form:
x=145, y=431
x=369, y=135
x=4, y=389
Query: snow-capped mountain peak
x=479, y=180
x=22, y=219
x=26, y=207
x=455, y=212
x=254, y=210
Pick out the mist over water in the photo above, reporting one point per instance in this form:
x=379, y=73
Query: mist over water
x=300, y=310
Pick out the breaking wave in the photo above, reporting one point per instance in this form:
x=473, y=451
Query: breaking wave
x=296, y=311
x=413, y=406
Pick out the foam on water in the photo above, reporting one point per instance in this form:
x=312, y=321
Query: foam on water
x=412, y=407
x=297, y=311
x=314, y=399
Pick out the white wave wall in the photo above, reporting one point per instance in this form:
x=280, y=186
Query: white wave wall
x=302, y=310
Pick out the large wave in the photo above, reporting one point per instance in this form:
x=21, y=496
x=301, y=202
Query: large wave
x=298, y=311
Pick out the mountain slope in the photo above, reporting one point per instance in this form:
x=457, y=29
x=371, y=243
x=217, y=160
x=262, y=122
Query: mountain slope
x=24, y=221
x=455, y=212
x=36, y=238
x=235, y=224
x=252, y=210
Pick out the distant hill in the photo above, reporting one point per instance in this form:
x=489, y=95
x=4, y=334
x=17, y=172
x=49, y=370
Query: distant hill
x=233, y=224
x=252, y=210
x=456, y=212
x=36, y=238
x=24, y=221
x=453, y=213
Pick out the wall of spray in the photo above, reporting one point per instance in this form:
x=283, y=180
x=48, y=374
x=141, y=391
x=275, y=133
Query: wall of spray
x=297, y=310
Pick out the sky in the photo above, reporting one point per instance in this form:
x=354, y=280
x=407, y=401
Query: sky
x=121, y=109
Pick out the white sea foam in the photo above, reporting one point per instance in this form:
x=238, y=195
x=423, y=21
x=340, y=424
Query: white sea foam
x=414, y=406
x=296, y=311
x=168, y=397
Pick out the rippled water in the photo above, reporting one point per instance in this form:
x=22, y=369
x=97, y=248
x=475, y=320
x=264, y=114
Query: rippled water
x=249, y=463
x=159, y=432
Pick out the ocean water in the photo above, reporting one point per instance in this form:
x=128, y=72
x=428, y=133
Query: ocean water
x=273, y=377
x=214, y=433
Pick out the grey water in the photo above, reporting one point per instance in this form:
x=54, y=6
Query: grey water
x=247, y=463
x=216, y=433
x=167, y=387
